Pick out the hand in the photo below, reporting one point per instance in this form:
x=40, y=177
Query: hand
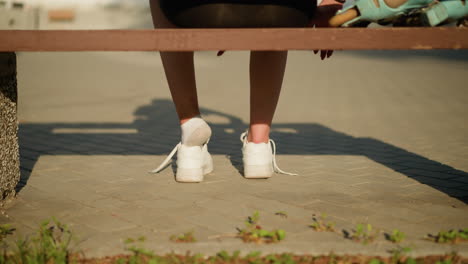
x=324, y=53
x=326, y=10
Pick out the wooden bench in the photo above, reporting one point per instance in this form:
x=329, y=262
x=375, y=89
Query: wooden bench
x=12, y=41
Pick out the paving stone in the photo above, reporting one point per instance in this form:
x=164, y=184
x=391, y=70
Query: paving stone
x=226, y=207
x=217, y=222
x=105, y=222
x=346, y=213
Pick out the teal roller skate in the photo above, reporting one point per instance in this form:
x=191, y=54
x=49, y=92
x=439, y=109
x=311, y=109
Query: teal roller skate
x=445, y=12
x=364, y=12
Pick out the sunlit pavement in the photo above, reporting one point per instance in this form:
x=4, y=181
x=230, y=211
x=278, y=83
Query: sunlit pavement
x=376, y=137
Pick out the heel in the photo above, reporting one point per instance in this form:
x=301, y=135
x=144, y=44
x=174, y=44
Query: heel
x=208, y=167
x=258, y=171
x=189, y=175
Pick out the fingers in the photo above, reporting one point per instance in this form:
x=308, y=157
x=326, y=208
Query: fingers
x=323, y=54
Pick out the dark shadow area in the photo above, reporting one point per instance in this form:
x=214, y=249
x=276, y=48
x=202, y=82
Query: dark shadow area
x=156, y=132
x=346, y=234
x=450, y=55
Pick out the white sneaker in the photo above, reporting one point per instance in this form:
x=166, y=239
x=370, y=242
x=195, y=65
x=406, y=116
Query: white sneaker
x=259, y=159
x=193, y=162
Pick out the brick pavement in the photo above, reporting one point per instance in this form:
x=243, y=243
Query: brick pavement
x=376, y=137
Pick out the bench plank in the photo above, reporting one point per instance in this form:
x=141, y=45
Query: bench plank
x=235, y=39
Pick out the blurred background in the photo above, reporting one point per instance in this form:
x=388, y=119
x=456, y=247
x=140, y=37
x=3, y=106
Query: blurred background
x=74, y=14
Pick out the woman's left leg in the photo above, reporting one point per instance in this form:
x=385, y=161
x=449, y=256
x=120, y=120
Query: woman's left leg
x=266, y=79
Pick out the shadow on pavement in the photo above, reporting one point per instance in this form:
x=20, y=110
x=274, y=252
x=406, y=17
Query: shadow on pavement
x=449, y=55
x=156, y=132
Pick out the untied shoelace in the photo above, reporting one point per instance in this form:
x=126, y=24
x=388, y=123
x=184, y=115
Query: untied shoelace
x=243, y=139
x=167, y=160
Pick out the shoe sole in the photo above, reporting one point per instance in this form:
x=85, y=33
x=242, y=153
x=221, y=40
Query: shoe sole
x=194, y=175
x=258, y=171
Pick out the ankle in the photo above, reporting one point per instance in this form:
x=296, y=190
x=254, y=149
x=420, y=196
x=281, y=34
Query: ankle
x=186, y=119
x=258, y=133
x=258, y=139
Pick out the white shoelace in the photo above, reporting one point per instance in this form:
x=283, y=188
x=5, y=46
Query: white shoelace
x=167, y=160
x=243, y=139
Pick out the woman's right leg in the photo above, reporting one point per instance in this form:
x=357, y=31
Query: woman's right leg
x=193, y=159
x=180, y=72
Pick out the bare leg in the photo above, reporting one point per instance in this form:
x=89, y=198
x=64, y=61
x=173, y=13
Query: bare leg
x=266, y=78
x=180, y=72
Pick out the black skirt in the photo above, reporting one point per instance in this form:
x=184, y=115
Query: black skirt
x=238, y=13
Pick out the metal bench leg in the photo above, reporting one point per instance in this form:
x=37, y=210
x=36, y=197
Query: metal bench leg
x=9, y=150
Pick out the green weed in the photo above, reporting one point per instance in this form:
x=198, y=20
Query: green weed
x=49, y=245
x=320, y=224
x=375, y=261
x=253, y=232
x=399, y=256
x=445, y=261
x=451, y=236
x=139, y=253
x=449, y=259
x=280, y=259
x=186, y=237
x=6, y=230
x=396, y=236
x=363, y=233
x=225, y=256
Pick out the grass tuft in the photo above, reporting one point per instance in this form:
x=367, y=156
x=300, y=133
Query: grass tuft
x=363, y=233
x=254, y=233
x=186, y=237
x=320, y=224
x=396, y=236
x=451, y=236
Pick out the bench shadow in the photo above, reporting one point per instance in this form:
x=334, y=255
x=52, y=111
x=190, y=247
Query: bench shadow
x=155, y=131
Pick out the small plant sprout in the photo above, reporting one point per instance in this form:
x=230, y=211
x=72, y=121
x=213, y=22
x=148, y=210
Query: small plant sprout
x=451, y=236
x=253, y=232
x=320, y=224
x=396, y=236
x=282, y=214
x=399, y=256
x=444, y=261
x=6, y=230
x=375, y=261
x=450, y=258
x=253, y=220
x=139, y=254
x=49, y=245
x=225, y=256
x=186, y=237
x=363, y=233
